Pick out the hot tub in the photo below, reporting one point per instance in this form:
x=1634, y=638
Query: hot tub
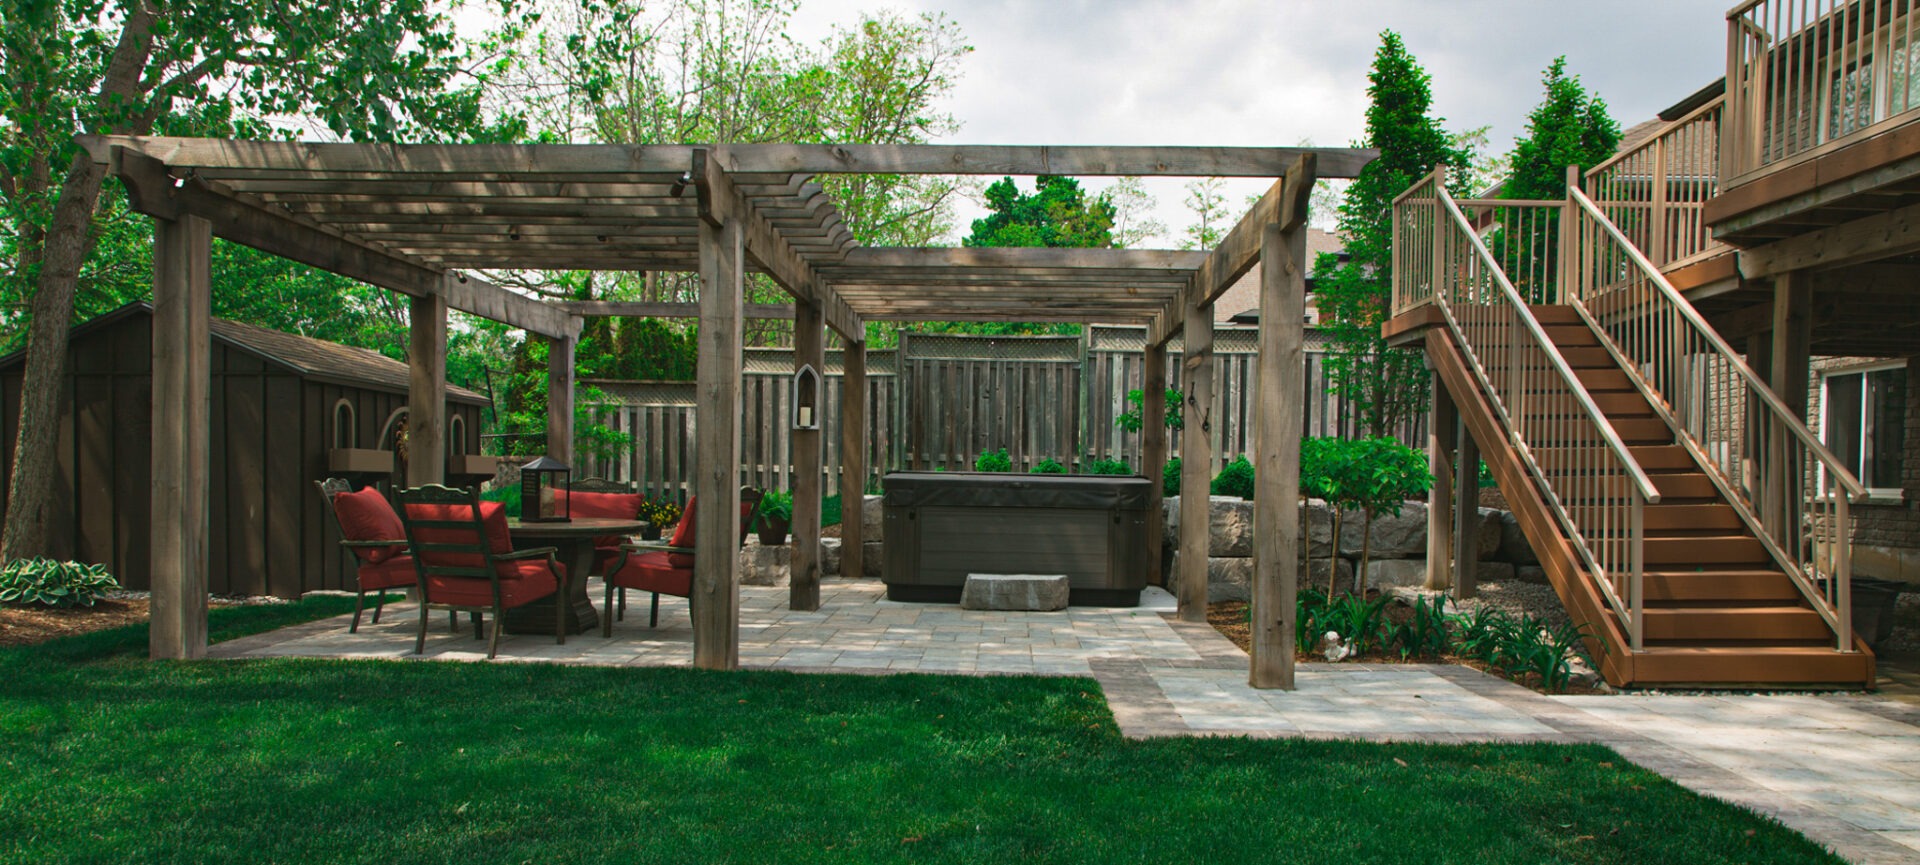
x=941, y=526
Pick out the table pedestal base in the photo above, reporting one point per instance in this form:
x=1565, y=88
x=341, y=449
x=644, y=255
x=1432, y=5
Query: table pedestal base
x=537, y=618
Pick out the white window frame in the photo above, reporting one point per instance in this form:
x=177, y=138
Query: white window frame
x=1862, y=370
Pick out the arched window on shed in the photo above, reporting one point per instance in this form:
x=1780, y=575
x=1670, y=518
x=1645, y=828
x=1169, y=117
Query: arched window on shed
x=457, y=436
x=346, y=431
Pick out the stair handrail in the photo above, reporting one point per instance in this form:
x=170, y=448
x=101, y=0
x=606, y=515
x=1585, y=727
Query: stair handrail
x=1779, y=529
x=1642, y=490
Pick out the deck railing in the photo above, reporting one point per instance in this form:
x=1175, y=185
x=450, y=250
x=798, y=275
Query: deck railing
x=1732, y=421
x=1655, y=191
x=1583, y=472
x=1804, y=76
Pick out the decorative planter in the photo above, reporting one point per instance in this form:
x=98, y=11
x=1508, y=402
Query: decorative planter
x=650, y=533
x=773, y=533
x=472, y=466
x=359, y=461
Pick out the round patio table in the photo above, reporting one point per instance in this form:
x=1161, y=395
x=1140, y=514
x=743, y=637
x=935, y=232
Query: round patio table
x=574, y=539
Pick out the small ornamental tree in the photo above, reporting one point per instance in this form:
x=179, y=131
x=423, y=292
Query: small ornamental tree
x=1569, y=128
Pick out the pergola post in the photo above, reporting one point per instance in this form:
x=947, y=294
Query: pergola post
x=716, y=589
x=1280, y=375
x=182, y=343
x=560, y=351
x=1196, y=461
x=1466, y=513
x=427, y=390
x=853, y=458
x=809, y=349
x=1441, y=441
x=1153, y=454
x=1791, y=352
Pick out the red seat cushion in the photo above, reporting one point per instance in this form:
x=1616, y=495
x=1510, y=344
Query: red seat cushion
x=654, y=572
x=366, y=516
x=522, y=581
x=394, y=573
x=616, y=506
x=493, y=519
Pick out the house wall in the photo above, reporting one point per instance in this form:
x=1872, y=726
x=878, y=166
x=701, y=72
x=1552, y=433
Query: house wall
x=1886, y=532
x=269, y=434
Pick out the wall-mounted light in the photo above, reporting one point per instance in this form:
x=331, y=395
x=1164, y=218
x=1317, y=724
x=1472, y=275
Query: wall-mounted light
x=806, y=397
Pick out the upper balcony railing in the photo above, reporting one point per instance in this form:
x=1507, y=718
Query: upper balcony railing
x=1655, y=191
x=1808, y=76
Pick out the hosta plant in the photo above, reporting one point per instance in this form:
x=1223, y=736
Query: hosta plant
x=54, y=583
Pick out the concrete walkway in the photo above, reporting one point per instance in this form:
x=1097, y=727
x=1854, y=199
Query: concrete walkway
x=1844, y=770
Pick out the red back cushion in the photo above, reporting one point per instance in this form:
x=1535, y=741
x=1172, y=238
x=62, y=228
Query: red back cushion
x=493, y=522
x=618, y=506
x=366, y=516
x=683, y=536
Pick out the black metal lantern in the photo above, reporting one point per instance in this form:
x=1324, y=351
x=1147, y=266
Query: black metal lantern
x=539, y=481
x=806, y=398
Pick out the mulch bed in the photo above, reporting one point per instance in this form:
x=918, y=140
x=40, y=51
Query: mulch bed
x=28, y=626
x=1230, y=618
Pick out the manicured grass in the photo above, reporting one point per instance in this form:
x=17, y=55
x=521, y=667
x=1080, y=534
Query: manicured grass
x=110, y=758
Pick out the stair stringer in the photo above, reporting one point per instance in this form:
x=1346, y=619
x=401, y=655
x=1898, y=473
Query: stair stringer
x=1606, y=641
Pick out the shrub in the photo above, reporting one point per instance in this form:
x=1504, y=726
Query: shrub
x=776, y=506
x=988, y=461
x=1235, y=480
x=1049, y=466
x=54, y=583
x=1109, y=467
x=1423, y=634
x=662, y=512
x=1135, y=416
x=1170, y=478
x=830, y=510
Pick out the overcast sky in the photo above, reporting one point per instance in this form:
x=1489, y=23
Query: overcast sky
x=1283, y=72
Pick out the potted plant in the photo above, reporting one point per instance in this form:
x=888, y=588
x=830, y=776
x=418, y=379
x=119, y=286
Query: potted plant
x=659, y=514
x=774, y=517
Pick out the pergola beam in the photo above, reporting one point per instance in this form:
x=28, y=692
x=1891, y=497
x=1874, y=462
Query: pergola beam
x=720, y=200
x=456, y=161
x=670, y=309
x=248, y=221
x=1284, y=204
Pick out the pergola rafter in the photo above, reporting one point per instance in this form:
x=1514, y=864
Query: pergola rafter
x=414, y=218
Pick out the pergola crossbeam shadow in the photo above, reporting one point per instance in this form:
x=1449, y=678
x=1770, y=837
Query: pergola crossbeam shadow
x=407, y=217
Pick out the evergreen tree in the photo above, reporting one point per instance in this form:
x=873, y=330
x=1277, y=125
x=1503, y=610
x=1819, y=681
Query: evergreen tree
x=1382, y=386
x=1571, y=127
x=1057, y=213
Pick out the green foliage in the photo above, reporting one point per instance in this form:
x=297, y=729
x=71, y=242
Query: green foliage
x=1170, y=478
x=661, y=511
x=1520, y=648
x=1569, y=127
x=1109, y=467
x=1383, y=386
x=776, y=506
x=1236, y=479
x=1210, y=217
x=508, y=495
x=1048, y=466
x=1133, y=418
x=1363, y=474
x=522, y=410
x=54, y=583
x=990, y=461
x=1358, y=621
x=1424, y=633
x=830, y=513
x=1056, y=214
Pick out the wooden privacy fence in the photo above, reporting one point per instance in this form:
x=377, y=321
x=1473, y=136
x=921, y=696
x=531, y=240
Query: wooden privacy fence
x=939, y=400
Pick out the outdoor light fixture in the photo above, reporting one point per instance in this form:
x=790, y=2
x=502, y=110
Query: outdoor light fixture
x=539, y=480
x=806, y=397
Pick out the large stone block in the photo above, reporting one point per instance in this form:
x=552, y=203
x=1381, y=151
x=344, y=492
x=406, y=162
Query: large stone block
x=1494, y=572
x=872, y=513
x=1393, y=537
x=1513, y=542
x=1042, y=592
x=829, y=556
x=1228, y=578
x=1313, y=574
x=1531, y=574
x=1229, y=527
x=1382, y=573
x=764, y=565
x=870, y=563
x=1489, y=538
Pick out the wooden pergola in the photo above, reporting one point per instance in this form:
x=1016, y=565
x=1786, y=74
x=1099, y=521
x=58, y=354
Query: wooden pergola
x=420, y=219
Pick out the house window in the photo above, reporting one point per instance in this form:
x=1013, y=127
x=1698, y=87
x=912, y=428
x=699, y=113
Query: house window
x=1864, y=420
x=346, y=433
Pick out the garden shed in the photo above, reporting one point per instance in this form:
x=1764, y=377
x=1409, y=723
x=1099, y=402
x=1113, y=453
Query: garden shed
x=286, y=410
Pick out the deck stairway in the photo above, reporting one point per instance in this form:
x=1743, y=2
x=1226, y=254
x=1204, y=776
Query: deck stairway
x=1636, y=450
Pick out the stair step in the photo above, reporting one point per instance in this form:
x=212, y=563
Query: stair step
x=1567, y=336
x=1584, y=357
x=1664, y=516
x=1722, y=585
x=1554, y=313
x=1688, y=552
x=1735, y=623
x=1652, y=458
x=1610, y=403
x=1595, y=380
x=1744, y=665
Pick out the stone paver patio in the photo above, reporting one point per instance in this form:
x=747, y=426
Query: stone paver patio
x=1845, y=770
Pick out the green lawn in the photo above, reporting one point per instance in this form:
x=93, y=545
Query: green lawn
x=109, y=758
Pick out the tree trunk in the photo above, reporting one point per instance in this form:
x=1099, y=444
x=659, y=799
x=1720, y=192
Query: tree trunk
x=1366, y=555
x=1333, y=557
x=68, y=243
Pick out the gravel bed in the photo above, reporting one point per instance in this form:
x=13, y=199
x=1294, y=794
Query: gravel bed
x=215, y=600
x=1906, y=626
x=1513, y=597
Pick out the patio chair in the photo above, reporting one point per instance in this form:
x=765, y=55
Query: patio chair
x=666, y=569
x=464, y=560
x=372, y=531
x=599, y=497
